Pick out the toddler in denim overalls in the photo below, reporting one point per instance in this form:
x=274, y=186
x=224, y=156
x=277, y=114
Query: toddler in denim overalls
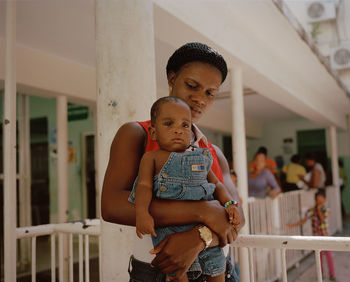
x=178, y=172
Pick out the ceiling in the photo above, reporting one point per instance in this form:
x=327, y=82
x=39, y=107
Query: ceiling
x=67, y=29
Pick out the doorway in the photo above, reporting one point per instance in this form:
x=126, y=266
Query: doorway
x=89, y=176
x=313, y=141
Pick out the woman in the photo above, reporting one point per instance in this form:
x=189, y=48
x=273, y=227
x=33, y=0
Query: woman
x=195, y=73
x=318, y=176
x=260, y=179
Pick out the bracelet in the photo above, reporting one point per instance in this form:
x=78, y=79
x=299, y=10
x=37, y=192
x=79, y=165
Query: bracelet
x=235, y=203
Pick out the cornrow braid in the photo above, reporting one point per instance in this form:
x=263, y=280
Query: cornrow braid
x=196, y=51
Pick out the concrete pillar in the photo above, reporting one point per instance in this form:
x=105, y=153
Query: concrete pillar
x=62, y=158
x=126, y=90
x=62, y=179
x=335, y=172
x=25, y=210
x=240, y=159
x=9, y=144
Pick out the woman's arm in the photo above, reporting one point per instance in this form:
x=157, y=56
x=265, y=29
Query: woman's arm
x=315, y=178
x=271, y=181
x=125, y=155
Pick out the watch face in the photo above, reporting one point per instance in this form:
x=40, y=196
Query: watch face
x=205, y=235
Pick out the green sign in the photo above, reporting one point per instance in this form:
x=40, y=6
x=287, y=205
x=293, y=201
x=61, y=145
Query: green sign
x=77, y=112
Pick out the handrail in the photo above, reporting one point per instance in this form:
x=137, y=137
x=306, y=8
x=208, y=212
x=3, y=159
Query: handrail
x=294, y=242
x=87, y=226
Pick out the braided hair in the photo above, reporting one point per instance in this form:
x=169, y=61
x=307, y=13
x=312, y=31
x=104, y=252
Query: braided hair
x=196, y=51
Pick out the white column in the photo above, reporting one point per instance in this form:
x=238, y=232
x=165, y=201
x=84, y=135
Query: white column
x=62, y=158
x=62, y=176
x=335, y=172
x=9, y=144
x=240, y=159
x=126, y=90
x=25, y=211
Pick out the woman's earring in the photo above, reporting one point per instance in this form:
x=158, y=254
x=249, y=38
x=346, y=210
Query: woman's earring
x=170, y=89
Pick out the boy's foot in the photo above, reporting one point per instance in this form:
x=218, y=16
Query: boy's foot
x=332, y=278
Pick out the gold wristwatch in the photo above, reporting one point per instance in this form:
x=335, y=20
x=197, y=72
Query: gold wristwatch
x=206, y=235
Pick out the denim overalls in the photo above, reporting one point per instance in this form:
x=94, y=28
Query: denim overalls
x=184, y=177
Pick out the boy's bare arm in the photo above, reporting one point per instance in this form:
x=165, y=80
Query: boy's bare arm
x=320, y=214
x=143, y=196
x=222, y=194
x=299, y=223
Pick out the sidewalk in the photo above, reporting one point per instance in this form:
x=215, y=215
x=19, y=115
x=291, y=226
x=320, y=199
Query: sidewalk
x=306, y=272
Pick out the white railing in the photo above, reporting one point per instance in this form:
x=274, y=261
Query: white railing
x=83, y=229
x=283, y=243
x=270, y=217
x=268, y=220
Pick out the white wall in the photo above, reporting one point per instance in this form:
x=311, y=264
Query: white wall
x=274, y=133
x=329, y=33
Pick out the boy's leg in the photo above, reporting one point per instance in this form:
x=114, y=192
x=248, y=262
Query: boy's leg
x=219, y=278
x=330, y=263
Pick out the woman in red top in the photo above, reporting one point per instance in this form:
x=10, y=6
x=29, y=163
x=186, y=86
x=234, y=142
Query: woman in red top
x=195, y=73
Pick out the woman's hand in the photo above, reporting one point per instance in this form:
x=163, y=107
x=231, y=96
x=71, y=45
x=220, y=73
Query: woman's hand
x=216, y=221
x=274, y=193
x=177, y=252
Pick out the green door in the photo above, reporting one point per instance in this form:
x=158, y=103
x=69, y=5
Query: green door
x=313, y=141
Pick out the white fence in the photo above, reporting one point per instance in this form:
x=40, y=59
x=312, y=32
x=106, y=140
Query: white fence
x=282, y=243
x=270, y=254
x=270, y=217
x=83, y=229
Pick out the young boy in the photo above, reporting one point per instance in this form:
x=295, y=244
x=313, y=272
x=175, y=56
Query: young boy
x=318, y=215
x=178, y=171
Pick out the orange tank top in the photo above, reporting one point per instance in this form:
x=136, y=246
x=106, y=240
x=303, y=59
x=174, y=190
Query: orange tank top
x=152, y=145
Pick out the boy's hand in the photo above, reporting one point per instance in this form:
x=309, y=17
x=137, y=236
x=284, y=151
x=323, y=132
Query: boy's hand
x=233, y=215
x=145, y=225
x=290, y=225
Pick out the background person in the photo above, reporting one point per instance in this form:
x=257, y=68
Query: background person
x=270, y=164
x=318, y=215
x=261, y=182
x=293, y=172
x=317, y=173
x=195, y=73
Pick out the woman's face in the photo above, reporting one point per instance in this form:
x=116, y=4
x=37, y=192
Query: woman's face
x=310, y=163
x=197, y=84
x=260, y=161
